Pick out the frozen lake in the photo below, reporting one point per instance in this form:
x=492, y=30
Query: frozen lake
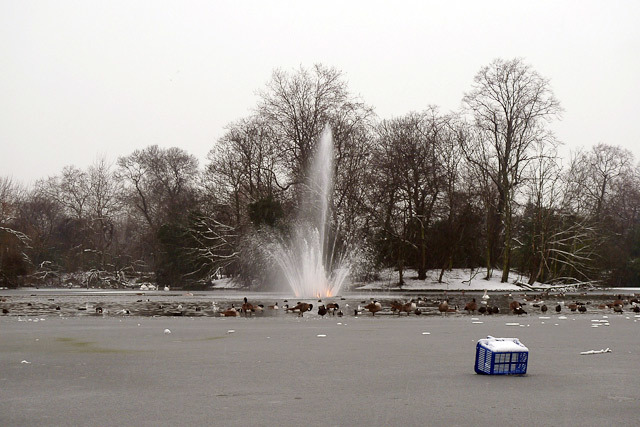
x=286, y=370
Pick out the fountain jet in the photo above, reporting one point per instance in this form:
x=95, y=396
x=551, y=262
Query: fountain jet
x=308, y=257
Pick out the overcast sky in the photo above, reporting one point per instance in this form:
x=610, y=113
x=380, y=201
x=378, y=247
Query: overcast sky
x=83, y=79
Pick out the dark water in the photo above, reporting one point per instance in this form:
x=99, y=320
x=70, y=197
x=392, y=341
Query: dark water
x=72, y=303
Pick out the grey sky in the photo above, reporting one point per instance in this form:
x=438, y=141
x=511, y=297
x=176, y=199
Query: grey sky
x=80, y=79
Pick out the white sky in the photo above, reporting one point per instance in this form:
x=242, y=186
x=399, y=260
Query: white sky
x=83, y=79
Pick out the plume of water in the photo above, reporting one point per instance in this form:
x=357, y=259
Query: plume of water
x=307, y=258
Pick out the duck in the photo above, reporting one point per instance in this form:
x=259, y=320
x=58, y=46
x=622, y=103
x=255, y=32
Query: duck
x=519, y=311
x=558, y=308
x=618, y=308
x=618, y=301
x=543, y=308
x=98, y=310
x=373, y=307
x=471, y=307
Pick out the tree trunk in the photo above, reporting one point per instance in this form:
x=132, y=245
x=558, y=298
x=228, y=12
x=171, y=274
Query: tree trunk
x=506, y=260
x=422, y=269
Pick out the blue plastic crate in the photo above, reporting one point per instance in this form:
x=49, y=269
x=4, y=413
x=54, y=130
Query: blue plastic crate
x=501, y=356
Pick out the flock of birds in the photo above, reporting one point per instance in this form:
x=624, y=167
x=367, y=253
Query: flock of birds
x=415, y=306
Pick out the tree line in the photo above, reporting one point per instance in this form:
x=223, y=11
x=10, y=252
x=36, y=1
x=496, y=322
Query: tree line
x=482, y=188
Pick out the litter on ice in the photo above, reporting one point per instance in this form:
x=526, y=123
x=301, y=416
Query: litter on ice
x=606, y=350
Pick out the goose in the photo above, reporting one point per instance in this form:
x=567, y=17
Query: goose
x=373, y=307
x=274, y=307
x=514, y=305
x=396, y=306
x=482, y=309
x=582, y=308
x=230, y=312
x=617, y=308
x=471, y=307
x=322, y=310
x=558, y=308
x=247, y=307
x=300, y=308
x=443, y=307
x=332, y=307
x=543, y=308
x=409, y=307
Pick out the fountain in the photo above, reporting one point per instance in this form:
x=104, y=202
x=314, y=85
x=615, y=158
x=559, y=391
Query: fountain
x=308, y=258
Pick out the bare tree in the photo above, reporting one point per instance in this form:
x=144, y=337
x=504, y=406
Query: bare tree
x=410, y=178
x=160, y=182
x=510, y=104
x=161, y=186
x=244, y=167
x=297, y=106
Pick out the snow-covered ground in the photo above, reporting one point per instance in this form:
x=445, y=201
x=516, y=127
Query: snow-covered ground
x=453, y=280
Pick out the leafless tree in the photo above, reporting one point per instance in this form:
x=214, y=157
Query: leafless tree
x=409, y=182
x=510, y=104
x=159, y=182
